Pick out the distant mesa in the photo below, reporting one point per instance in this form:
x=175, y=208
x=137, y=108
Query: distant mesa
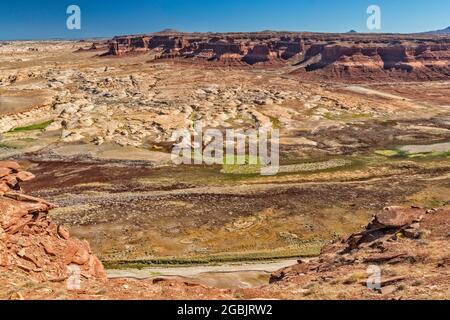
x=349, y=56
x=168, y=31
x=352, y=31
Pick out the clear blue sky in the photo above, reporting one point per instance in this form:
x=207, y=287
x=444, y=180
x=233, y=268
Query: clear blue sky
x=38, y=19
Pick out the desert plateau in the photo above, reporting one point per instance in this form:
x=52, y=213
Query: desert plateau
x=86, y=133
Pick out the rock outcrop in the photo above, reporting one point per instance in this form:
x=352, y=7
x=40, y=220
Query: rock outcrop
x=395, y=236
x=377, y=61
x=30, y=243
x=220, y=48
x=350, y=56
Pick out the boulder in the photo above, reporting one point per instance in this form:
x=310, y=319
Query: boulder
x=397, y=217
x=10, y=165
x=24, y=176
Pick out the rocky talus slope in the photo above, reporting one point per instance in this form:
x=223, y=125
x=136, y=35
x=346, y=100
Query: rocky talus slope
x=32, y=244
x=403, y=253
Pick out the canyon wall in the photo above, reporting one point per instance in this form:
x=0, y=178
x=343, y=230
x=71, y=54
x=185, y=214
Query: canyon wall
x=250, y=50
x=311, y=56
x=377, y=61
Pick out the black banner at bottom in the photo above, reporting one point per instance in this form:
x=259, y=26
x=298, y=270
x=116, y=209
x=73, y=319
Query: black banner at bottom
x=258, y=309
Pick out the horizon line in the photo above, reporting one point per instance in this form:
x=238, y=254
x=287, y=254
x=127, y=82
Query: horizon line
x=173, y=31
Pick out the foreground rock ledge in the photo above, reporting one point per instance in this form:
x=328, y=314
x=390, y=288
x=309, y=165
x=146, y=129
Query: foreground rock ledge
x=407, y=246
x=32, y=244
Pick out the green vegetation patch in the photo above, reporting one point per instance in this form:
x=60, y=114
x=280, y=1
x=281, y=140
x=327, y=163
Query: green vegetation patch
x=247, y=169
x=347, y=116
x=244, y=165
x=310, y=250
x=6, y=146
x=406, y=154
x=33, y=127
x=431, y=155
x=276, y=123
x=388, y=153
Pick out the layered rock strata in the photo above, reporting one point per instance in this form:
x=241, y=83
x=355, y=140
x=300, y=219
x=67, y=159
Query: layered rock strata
x=315, y=56
x=30, y=243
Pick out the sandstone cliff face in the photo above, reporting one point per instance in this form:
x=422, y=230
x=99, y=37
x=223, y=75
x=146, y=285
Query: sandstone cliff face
x=250, y=50
x=32, y=244
x=288, y=48
x=408, y=62
x=316, y=56
x=260, y=53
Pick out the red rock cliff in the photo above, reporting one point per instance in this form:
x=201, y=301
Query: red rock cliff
x=30, y=243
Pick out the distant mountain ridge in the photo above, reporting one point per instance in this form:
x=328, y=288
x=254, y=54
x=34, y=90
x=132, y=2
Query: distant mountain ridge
x=438, y=32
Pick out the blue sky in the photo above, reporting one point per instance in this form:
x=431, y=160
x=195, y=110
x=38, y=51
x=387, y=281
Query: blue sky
x=40, y=19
